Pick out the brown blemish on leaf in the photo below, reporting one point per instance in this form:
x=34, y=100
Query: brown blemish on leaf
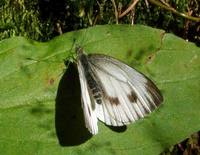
x=51, y=81
x=132, y=97
x=129, y=53
x=150, y=58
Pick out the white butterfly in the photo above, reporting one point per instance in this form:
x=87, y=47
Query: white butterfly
x=113, y=92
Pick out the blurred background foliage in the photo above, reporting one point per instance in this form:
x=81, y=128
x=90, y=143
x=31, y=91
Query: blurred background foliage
x=44, y=19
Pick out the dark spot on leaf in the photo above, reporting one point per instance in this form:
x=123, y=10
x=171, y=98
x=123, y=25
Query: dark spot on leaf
x=40, y=110
x=150, y=58
x=129, y=53
x=51, y=81
x=140, y=54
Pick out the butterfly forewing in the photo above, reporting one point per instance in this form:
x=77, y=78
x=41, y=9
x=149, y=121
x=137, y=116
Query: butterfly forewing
x=88, y=104
x=114, y=92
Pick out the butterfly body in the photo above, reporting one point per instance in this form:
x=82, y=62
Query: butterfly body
x=90, y=77
x=113, y=92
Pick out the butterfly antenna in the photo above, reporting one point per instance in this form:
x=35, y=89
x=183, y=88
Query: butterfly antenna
x=78, y=48
x=70, y=57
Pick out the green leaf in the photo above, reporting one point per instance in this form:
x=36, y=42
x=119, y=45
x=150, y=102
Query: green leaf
x=40, y=111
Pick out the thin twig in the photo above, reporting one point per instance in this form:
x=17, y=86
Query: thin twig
x=59, y=28
x=129, y=9
x=132, y=16
x=165, y=3
x=116, y=12
x=147, y=4
x=158, y=3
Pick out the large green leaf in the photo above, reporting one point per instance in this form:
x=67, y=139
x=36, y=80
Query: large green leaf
x=40, y=111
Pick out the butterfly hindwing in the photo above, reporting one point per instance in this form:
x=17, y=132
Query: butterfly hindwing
x=127, y=94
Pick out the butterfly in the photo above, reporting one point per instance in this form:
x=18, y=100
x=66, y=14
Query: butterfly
x=113, y=92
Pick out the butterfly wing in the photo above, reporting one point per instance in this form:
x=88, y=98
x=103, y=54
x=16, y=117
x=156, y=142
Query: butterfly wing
x=127, y=95
x=87, y=102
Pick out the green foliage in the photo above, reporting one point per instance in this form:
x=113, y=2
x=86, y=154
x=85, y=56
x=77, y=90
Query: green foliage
x=31, y=78
x=44, y=19
x=21, y=18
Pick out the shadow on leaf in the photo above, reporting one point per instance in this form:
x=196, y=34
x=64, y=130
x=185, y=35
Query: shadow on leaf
x=69, y=119
x=118, y=128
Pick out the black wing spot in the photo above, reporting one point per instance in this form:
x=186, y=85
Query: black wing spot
x=132, y=97
x=95, y=90
x=98, y=101
x=113, y=100
x=97, y=96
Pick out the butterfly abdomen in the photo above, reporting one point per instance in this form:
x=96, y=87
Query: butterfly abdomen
x=93, y=86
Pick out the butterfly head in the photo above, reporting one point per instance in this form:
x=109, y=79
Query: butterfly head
x=79, y=52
